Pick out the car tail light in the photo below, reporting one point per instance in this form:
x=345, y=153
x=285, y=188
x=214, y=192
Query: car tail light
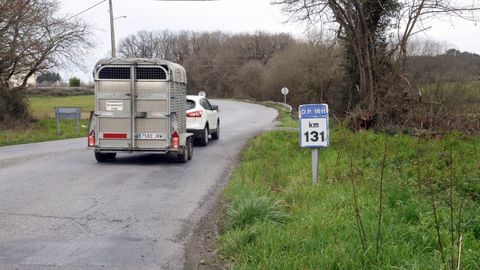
x=195, y=114
x=175, y=140
x=114, y=135
x=91, y=138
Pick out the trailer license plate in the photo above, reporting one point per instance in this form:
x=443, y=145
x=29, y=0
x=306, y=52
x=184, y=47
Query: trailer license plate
x=148, y=136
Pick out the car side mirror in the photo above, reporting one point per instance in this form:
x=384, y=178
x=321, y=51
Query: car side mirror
x=215, y=107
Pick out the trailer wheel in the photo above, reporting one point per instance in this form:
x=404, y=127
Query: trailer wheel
x=183, y=156
x=101, y=157
x=204, y=137
x=190, y=147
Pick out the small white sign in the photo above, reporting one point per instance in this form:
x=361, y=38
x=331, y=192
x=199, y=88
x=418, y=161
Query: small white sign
x=114, y=105
x=284, y=91
x=314, y=132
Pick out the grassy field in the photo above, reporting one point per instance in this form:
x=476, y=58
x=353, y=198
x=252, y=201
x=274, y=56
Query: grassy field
x=459, y=98
x=276, y=218
x=45, y=128
x=42, y=107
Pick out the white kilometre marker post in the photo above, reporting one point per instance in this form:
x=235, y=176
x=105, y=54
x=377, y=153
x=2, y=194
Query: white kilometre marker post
x=314, y=132
x=284, y=93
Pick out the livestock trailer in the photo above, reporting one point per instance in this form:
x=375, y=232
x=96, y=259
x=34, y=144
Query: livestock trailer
x=140, y=106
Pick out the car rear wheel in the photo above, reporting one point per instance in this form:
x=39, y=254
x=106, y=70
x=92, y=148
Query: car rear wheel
x=216, y=134
x=204, y=137
x=102, y=157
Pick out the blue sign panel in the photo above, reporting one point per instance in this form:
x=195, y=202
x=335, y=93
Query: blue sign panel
x=313, y=111
x=314, y=132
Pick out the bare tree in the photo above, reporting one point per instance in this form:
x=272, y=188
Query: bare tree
x=33, y=38
x=375, y=34
x=260, y=46
x=248, y=81
x=312, y=73
x=157, y=44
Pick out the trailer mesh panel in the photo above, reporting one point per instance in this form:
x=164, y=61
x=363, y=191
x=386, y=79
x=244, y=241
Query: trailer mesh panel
x=150, y=73
x=114, y=73
x=178, y=104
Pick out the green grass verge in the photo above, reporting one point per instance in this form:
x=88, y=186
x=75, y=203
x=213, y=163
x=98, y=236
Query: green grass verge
x=284, y=118
x=45, y=128
x=276, y=218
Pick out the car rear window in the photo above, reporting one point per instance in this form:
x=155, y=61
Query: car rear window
x=190, y=104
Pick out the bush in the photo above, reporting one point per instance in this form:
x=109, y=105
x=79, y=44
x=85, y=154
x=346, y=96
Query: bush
x=74, y=82
x=48, y=78
x=253, y=209
x=237, y=239
x=14, y=108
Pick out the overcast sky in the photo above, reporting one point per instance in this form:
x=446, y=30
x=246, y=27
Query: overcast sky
x=226, y=15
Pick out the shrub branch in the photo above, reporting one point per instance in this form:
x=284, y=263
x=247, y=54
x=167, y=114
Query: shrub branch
x=358, y=217
x=452, y=225
x=380, y=199
x=435, y=215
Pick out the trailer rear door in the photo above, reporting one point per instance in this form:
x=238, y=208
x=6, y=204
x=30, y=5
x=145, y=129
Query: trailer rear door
x=113, y=106
x=133, y=98
x=152, y=107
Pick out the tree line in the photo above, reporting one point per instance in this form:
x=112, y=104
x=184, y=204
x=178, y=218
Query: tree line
x=256, y=66
x=248, y=65
x=365, y=67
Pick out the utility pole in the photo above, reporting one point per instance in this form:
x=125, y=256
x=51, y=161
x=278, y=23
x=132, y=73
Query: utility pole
x=112, y=30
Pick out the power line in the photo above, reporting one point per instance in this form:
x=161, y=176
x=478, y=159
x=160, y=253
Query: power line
x=80, y=13
x=106, y=0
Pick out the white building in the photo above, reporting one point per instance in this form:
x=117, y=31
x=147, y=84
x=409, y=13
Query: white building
x=18, y=79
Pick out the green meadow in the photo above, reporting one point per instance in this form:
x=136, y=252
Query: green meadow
x=382, y=202
x=44, y=127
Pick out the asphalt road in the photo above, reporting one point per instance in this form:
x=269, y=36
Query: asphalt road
x=60, y=209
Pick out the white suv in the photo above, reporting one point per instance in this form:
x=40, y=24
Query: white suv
x=202, y=119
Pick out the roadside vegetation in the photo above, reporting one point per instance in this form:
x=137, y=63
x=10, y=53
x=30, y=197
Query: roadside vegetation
x=44, y=127
x=384, y=201
x=284, y=119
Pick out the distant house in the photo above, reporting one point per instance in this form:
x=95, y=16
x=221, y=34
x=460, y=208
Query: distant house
x=18, y=79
